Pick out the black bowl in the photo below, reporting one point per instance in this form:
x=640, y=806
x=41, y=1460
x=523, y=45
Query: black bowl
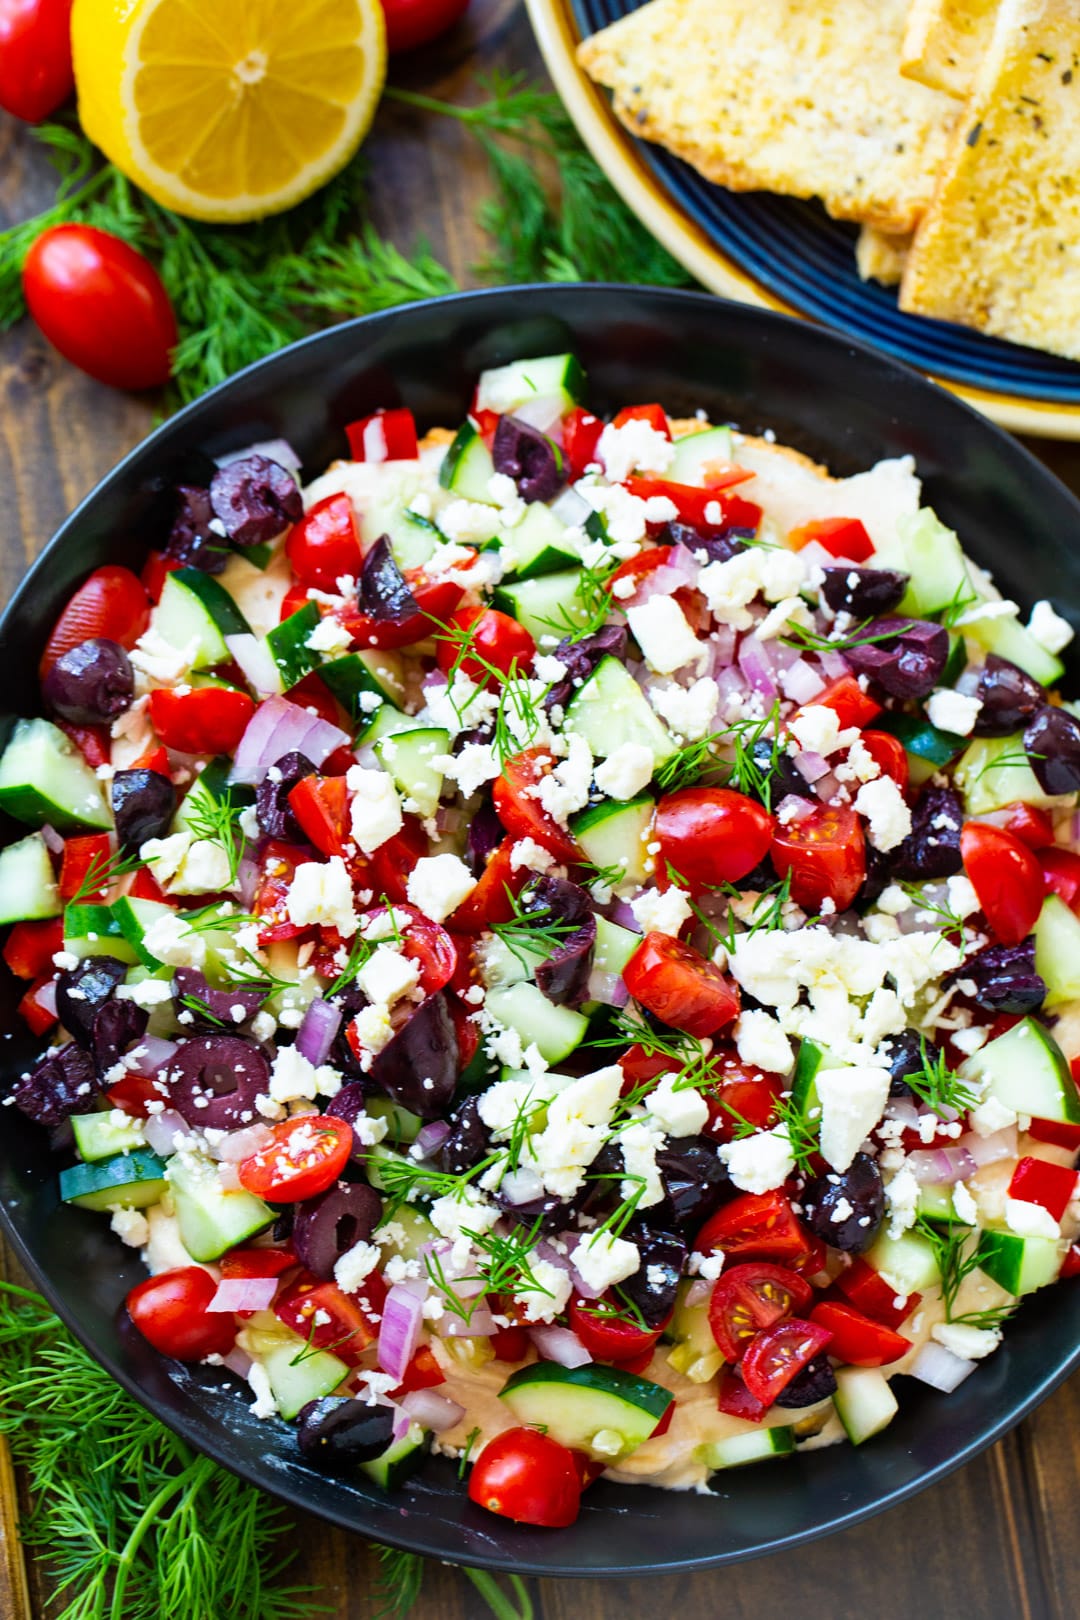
x=846, y=406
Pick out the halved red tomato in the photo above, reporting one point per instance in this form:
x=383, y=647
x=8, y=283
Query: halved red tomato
x=491, y=641
x=330, y=1319
x=490, y=901
x=423, y=1372
x=750, y=1297
x=655, y=415
x=847, y=700
x=607, y=1333
x=733, y=1397
x=521, y=813
x=1061, y=874
x=85, y=860
x=93, y=742
x=857, y=1340
x=739, y=1093
x=1007, y=878
x=206, y=720
x=111, y=604
x=277, y=870
x=386, y=436
x=38, y=1006
x=422, y=940
x=1031, y=825
x=777, y=1353
x=876, y=1298
x=324, y=546
x=320, y=805
x=889, y=755
x=681, y=986
x=756, y=1226
x=709, y=836
x=30, y=947
x=581, y=431
x=527, y=1476
x=825, y=854
x=170, y=1310
x=304, y=1156
x=393, y=861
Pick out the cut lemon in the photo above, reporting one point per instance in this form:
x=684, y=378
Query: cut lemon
x=228, y=109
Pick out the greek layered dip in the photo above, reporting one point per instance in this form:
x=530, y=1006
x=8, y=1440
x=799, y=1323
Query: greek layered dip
x=559, y=942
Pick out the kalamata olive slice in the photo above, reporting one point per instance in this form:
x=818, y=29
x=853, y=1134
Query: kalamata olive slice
x=349, y=1103
x=1052, y=743
x=696, y=1180
x=547, y=1213
x=564, y=975
x=214, y=1080
x=774, y=768
x=326, y=1227
x=91, y=684
x=272, y=796
x=812, y=1383
x=1009, y=697
x=910, y=1052
x=653, y=1285
x=529, y=458
x=338, y=1431
x=191, y=539
x=469, y=1140
x=1004, y=977
x=381, y=591
x=932, y=848
x=193, y=993
x=484, y=835
x=80, y=991
x=58, y=1087
x=418, y=1068
x=144, y=803
x=552, y=899
x=581, y=658
x=907, y=656
x=255, y=499
x=846, y=1207
x=716, y=547
x=116, y=1025
x=864, y=592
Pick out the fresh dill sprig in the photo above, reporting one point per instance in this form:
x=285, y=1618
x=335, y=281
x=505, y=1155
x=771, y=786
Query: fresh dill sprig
x=962, y=598
x=995, y=1316
x=1012, y=760
x=196, y=1004
x=218, y=821
x=592, y=593
x=937, y=1086
x=956, y=1260
x=804, y=1134
x=103, y=872
x=935, y=907
x=466, y=1451
x=532, y=934
x=360, y=952
x=689, y=763
x=804, y=639
x=616, y=1223
x=399, y=1582
x=750, y=772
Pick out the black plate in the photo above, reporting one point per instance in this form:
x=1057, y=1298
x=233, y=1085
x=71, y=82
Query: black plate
x=844, y=404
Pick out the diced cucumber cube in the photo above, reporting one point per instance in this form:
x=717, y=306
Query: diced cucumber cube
x=197, y=611
x=699, y=453
x=553, y=376
x=288, y=645
x=1026, y=1070
x=128, y=1180
x=1057, y=951
x=555, y=1031
x=864, y=1402
x=611, y=709
x=27, y=886
x=467, y=468
x=101, y=1136
x=614, y=834
x=739, y=1449
x=44, y=778
x=994, y=772
x=409, y=757
x=1020, y=1265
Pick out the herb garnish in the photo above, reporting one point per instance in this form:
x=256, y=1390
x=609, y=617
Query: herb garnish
x=955, y=1260
x=103, y=872
x=937, y=1086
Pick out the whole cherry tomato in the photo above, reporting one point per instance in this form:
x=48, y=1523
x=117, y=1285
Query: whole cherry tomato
x=710, y=836
x=111, y=604
x=36, y=74
x=171, y=1311
x=494, y=640
x=102, y=305
x=1007, y=878
x=206, y=720
x=679, y=985
x=410, y=23
x=527, y=1476
x=324, y=545
x=304, y=1156
x=825, y=854
x=777, y=1353
x=750, y=1297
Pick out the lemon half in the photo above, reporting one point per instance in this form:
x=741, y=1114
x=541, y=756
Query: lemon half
x=228, y=109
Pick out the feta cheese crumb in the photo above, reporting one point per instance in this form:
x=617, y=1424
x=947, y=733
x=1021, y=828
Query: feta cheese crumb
x=760, y=1040
x=1049, y=629
x=387, y=975
x=884, y=806
x=527, y=852
x=902, y=1199
x=375, y=814
x=603, y=1260
x=970, y=1343
x=657, y=913
x=760, y=1162
x=264, y=1405
x=321, y=892
x=661, y=630
x=965, y=1206
x=131, y=1226
x=689, y=711
x=354, y=1265
x=678, y=1112
x=636, y=446
x=1029, y=1220
x=852, y=1101
x=329, y=636
x=626, y=771
x=438, y=884
x=953, y=711
x=546, y=1294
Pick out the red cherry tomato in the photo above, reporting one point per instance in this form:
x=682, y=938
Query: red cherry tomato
x=36, y=74
x=92, y=742
x=857, y=1339
x=423, y=1372
x=435, y=601
x=102, y=305
x=581, y=432
x=607, y=1335
x=527, y=1476
x=38, y=1006
x=510, y=1344
x=825, y=854
x=1007, y=878
x=711, y=507
x=740, y=1092
x=521, y=813
x=423, y=942
x=710, y=836
x=681, y=986
x=777, y=1353
x=111, y=604
x=842, y=537
x=170, y=1310
x=847, y=700
x=30, y=947
x=256, y=1262
x=733, y=1397
x=1031, y=825
x=490, y=901
x=495, y=640
x=324, y=545
x=277, y=870
x=655, y=415
x=393, y=861
x=206, y=720
x=750, y=1297
x=386, y=436
x=1061, y=874
x=156, y=570
x=410, y=23
x=330, y=1319
x=868, y=1290
x=756, y=1226
x=305, y=1156
x=133, y=1094
x=889, y=755
x=320, y=805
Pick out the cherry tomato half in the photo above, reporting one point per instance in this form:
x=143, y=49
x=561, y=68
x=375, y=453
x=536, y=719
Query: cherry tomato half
x=607, y=1335
x=305, y=1156
x=709, y=836
x=521, y=813
x=320, y=805
x=324, y=545
x=277, y=869
x=410, y=23
x=873, y=1296
x=527, y=1476
x=756, y=1225
x=331, y=1319
x=490, y=901
x=581, y=433
x=750, y=1297
x=1061, y=874
x=206, y=720
x=424, y=942
x=494, y=639
x=1007, y=878
x=847, y=700
x=777, y=1353
x=30, y=946
x=681, y=986
x=170, y=1310
x=739, y=1093
x=889, y=755
x=825, y=854
x=858, y=1340
x=36, y=75
x=102, y=305
x=111, y=604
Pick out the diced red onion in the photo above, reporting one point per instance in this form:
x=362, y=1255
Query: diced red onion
x=432, y=1410
x=937, y=1165
x=229, y=1177
x=544, y=413
x=940, y=1368
x=801, y=682
x=237, y=1361
x=53, y=841
x=607, y=988
x=559, y=1344
x=161, y=1130
x=827, y=787
x=755, y=665
x=155, y=1053
x=247, y=879
x=244, y=1294
x=989, y=1149
x=45, y=998
x=399, y=1330
x=318, y=1031
x=279, y=727
x=663, y=581
x=834, y=665
x=521, y=1186
x=698, y=1291
x=449, y=820
x=279, y=450
x=239, y=1145
x=730, y=683
x=619, y=912
x=253, y=657
x=722, y=643
x=430, y=1137
x=402, y=1420
x=811, y=767
x=903, y=1110
x=479, y=1325
x=793, y=809
x=684, y=562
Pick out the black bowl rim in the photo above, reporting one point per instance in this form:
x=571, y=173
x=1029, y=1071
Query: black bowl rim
x=410, y=1540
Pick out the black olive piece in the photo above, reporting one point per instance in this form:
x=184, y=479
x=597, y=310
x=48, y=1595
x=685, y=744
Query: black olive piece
x=696, y=1180
x=877, y=879
x=1009, y=698
x=910, y=1052
x=528, y=457
x=418, y=1067
x=908, y=660
x=932, y=847
x=272, y=796
x=338, y=1431
x=215, y=1079
x=779, y=773
x=381, y=591
x=144, y=803
x=1052, y=744
x=192, y=541
x=812, y=1383
x=652, y=1287
x=581, y=658
x=193, y=993
x=116, y=1025
x=58, y=1087
x=328, y=1226
x=863, y=592
x=483, y=838
x=552, y=899
x=255, y=499
x=564, y=975
x=469, y=1140
x=1004, y=977
x=846, y=1207
x=82, y=990
x=91, y=684
x=717, y=547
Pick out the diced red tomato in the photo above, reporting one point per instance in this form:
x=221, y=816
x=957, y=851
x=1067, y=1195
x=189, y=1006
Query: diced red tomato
x=842, y=537
x=495, y=641
x=154, y=759
x=91, y=741
x=1055, y=1131
x=386, y=436
x=132, y=1093
x=847, y=700
x=868, y=1290
x=330, y=1319
x=609, y=1335
x=1037, y=1181
x=889, y=755
x=755, y=1226
x=510, y=1343
x=111, y=604
x=304, y=1156
x=857, y=1339
x=294, y=599
x=324, y=546
x=1007, y=878
x=320, y=805
x=170, y=1310
x=777, y=1353
x=739, y=1093
x=145, y=886
x=733, y=1397
x=703, y=506
x=655, y=415
x=85, y=858
x=825, y=854
x=490, y=901
x=709, y=836
x=1031, y=825
x=581, y=431
x=750, y=1297
x=393, y=861
x=435, y=600
x=1061, y=874
x=681, y=986
x=423, y=1372
x=206, y=720
x=526, y=1476
x=155, y=571
x=30, y=947
x=521, y=813
x=38, y=1006
x=278, y=868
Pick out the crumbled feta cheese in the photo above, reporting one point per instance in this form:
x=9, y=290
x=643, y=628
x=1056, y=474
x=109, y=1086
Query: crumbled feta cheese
x=852, y=1101
x=965, y=1206
x=953, y=711
x=963, y=901
x=678, y=1111
x=329, y=636
x=991, y=1116
x=603, y=1260
x=638, y=1143
x=635, y=447
x=170, y=940
x=264, y=1405
x=321, y=893
x=264, y=1025
x=729, y=587
x=130, y=1226
x=887, y=812
x=438, y=884
x=566, y=788
x=205, y=869
x=660, y=628
x=689, y=711
x=469, y=522
x=1029, y=1220
x=147, y=993
x=970, y=1343
x=625, y=515
x=166, y=855
x=902, y=1200
x=657, y=913
x=375, y=814
x=576, y=1129
x=760, y=1162
x=356, y=1264
x=471, y=768
x=387, y=975
x=159, y=661
x=293, y=1078
x=816, y=729
x=527, y=852
x=462, y=1212
x=626, y=771
x=546, y=1293
x=373, y=1028
x=1049, y=629
x=760, y=1040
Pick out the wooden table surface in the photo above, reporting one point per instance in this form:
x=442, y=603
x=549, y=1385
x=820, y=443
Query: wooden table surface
x=998, y=1540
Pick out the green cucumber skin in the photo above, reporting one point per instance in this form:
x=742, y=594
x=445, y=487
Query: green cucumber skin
x=288, y=646
x=133, y=1180
x=636, y=1391
x=215, y=599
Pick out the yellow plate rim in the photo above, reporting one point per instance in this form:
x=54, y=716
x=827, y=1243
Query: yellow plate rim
x=616, y=153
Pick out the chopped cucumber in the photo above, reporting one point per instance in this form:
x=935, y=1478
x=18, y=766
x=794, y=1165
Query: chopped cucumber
x=575, y=1404
x=394, y=1465
x=906, y=1262
x=197, y=611
x=864, y=1402
x=739, y=1449
x=1026, y=1070
x=933, y=557
x=1057, y=952
x=698, y=453
x=27, y=886
x=549, y=605
x=1020, y=1265
x=610, y=709
x=401, y=1125
x=409, y=757
x=133, y=1180
x=615, y=833
x=94, y=931
x=555, y=1031
x=467, y=467
x=534, y=546
x=810, y=1061
x=288, y=645
x=935, y=1204
x=386, y=721
x=500, y=966
x=102, y=1136
x=694, y=1351
x=408, y=1232
x=1009, y=639
x=297, y=1372
x=615, y=946
x=994, y=772
x=926, y=742
x=44, y=778
x=212, y=1218
x=505, y=388
x=372, y=670
x=133, y=918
